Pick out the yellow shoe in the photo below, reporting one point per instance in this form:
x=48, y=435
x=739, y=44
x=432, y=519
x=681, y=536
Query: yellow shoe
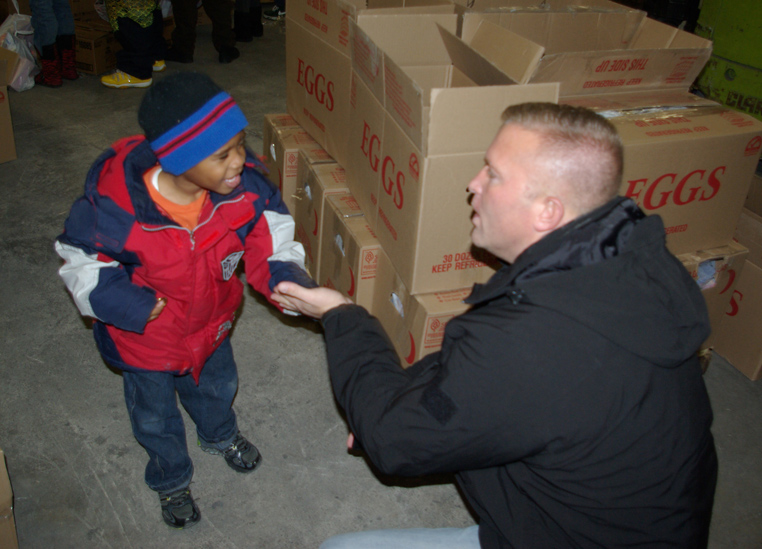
x=119, y=79
x=159, y=66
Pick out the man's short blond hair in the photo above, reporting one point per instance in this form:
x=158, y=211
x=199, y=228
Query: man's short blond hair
x=581, y=154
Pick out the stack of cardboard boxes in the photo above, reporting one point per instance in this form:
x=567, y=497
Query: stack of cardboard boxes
x=738, y=336
x=406, y=97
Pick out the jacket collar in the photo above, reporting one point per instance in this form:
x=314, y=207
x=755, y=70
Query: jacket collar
x=591, y=238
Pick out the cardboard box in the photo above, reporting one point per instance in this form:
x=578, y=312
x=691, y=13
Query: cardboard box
x=315, y=182
x=318, y=69
x=414, y=323
x=8, y=539
x=282, y=158
x=349, y=251
x=687, y=159
x=7, y=140
x=418, y=134
x=739, y=338
x=717, y=272
x=82, y=7
x=754, y=197
x=95, y=45
x=588, y=57
x=591, y=18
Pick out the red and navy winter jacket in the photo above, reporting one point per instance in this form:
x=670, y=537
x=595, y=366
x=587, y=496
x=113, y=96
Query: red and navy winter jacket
x=121, y=253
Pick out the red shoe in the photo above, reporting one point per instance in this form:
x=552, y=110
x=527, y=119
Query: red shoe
x=65, y=44
x=50, y=75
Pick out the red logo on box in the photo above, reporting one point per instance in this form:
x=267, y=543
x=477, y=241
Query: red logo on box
x=754, y=147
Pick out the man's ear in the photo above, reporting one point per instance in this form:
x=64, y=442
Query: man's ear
x=549, y=215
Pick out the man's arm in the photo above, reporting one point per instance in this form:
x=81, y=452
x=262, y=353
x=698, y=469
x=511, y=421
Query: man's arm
x=454, y=410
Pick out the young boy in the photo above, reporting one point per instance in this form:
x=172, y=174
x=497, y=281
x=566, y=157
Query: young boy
x=150, y=253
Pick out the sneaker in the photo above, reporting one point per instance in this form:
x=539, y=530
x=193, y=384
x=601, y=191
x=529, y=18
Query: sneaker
x=178, y=508
x=159, y=65
x=119, y=79
x=241, y=455
x=274, y=14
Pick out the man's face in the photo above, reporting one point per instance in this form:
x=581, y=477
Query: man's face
x=503, y=215
x=221, y=171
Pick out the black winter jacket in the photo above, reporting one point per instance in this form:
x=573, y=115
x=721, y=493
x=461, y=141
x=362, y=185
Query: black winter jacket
x=568, y=400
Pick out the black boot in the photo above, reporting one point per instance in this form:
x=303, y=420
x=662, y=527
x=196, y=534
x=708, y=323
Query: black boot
x=256, y=21
x=242, y=27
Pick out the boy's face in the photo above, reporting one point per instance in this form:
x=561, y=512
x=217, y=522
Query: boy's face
x=221, y=171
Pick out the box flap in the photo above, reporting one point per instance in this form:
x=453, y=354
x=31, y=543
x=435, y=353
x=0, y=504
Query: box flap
x=465, y=120
x=471, y=63
x=513, y=54
x=411, y=40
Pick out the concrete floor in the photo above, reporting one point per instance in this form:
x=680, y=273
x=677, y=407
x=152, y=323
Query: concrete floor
x=76, y=470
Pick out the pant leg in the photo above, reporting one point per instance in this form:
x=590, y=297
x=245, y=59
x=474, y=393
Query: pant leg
x=158, y=46
x=64, y=17
x=158, y=427
x=44, y=23
x=184, y=34
x=210, y=403
x=136, y=56
x=411, y=538
x=221, y=14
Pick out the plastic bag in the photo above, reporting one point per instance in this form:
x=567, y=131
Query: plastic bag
x=16, y=34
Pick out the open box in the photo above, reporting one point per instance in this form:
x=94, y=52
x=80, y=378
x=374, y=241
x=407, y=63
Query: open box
x=318, y=68
x=424, y=112
x=588, y=57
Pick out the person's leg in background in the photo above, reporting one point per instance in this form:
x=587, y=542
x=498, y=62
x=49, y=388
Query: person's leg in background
x=183, y=46
x=65, y=39
x=134, y=25
x=247, y=20
x=223, y=37
x=134, y=62
x=158, y=45
x=45, y=27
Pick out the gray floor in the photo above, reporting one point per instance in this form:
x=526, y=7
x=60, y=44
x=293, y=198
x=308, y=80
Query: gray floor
x=75, y=467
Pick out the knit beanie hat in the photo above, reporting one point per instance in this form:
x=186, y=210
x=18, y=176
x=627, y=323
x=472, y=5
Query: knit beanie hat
x=186, y=118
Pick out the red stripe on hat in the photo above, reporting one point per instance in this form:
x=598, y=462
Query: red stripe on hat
x=198, y=128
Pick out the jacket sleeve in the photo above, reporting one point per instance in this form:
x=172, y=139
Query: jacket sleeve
x=272, y=254
x=99, y=283
x=446, y=413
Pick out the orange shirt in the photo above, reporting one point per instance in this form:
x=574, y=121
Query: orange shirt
x=184, y=214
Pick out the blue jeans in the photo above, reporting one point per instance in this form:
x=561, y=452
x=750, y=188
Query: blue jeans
x=50, y=18
x=158, y=425
x=411, y=538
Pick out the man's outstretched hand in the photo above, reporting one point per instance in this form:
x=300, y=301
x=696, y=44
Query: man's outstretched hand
x=313, y=302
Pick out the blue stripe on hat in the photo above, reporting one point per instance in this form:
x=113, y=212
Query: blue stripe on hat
x=200, y=135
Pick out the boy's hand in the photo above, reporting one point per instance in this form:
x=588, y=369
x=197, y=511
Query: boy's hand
x=157, y=309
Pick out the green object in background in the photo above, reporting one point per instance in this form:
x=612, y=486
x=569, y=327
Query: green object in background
x=733, y=75
x=735, y=27
x=732, y=84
